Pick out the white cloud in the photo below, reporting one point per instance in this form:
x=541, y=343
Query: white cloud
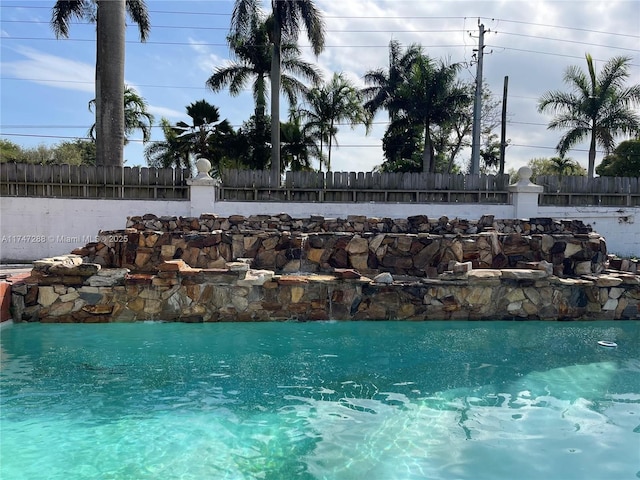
x=168, y=113
x=206, y=60
x=51, y=70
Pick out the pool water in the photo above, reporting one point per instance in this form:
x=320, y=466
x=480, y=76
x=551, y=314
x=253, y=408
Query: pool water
x=323, y=400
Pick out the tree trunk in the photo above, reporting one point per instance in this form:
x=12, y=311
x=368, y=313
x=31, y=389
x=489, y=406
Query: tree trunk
x=330, y=145
x=110, y=52
x=592, y=153
x=427, y=157
x=275, y=102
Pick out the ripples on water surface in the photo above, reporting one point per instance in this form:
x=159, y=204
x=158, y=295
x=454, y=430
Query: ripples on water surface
x=380, y=400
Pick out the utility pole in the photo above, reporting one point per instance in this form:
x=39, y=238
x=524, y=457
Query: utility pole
x=477, y=106
x=503, y=121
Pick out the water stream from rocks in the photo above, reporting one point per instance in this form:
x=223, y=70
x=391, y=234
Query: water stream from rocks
x=303, y=252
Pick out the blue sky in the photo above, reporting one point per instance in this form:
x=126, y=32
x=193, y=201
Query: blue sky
x=46, y=84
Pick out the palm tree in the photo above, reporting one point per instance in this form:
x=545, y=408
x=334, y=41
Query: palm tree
x=170, y=152
x=385, y=84
x=562, y=166
x=402, y=145
x=287, y=16
x=414, y=90
x=253, y=52
x=110, y=52
x=328, y=105
x=599, y=107
x=299, y=144
x=429, y=96
x=205, y=137
x=136, y=116
x=206, y=133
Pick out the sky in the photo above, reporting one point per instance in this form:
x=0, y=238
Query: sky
x=47, y=83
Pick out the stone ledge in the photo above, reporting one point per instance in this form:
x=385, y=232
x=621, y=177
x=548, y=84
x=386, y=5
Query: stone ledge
x=258, y=295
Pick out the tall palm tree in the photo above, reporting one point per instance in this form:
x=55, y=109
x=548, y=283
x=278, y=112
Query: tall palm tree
x=599, y=108
x=253, y=52
x=136, y=116
x=429, y=96
x=110, y=17
x=288, y=17
x=385, y=83
x=336, y=101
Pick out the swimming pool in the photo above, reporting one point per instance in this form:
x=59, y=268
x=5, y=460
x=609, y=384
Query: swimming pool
x=325, y=400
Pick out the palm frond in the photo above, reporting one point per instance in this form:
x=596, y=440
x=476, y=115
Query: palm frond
x=65, y=10
x=139, y=13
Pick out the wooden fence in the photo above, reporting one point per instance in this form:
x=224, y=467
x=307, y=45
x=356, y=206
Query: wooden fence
x=577, y=190
x=86, y=181
x=245, y=185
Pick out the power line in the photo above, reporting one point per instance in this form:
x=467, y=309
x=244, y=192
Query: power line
x=370, y=17
x=551, y=53
x=588, y=30
x=226, y=29
x=566, y=41
x=209, y=44
x=79, y=82
x=343, y=124
x=32, y=135
x=338, y=17
x=362, y=145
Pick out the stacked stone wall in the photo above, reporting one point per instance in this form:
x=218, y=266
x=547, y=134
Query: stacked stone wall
x=415, y=246
x=210, y=269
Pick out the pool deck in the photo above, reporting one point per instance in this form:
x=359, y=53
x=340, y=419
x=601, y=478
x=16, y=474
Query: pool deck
x=8, y=271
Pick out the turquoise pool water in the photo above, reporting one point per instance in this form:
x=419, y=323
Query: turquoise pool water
x=377, y=400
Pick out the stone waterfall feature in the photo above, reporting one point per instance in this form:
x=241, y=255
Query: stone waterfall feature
x=274, y=267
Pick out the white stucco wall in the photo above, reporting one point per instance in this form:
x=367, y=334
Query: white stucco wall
x=619, y=225
x=342, y=210
x=33, y=228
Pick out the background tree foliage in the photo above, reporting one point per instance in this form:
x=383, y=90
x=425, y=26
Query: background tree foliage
x=329, y=104
x=623, y=162
x=205, y=136
x=558, y=166
x=76, y=152
x=136, y=116
x=599, y=107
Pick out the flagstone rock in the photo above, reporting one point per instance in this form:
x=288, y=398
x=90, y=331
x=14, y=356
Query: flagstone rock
x=523, y=274
x=108, y=277
x=47, y=296
x=82, y=270
x=255, y=277
x=385, y=278
x=608, y=281
x=357, y=245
